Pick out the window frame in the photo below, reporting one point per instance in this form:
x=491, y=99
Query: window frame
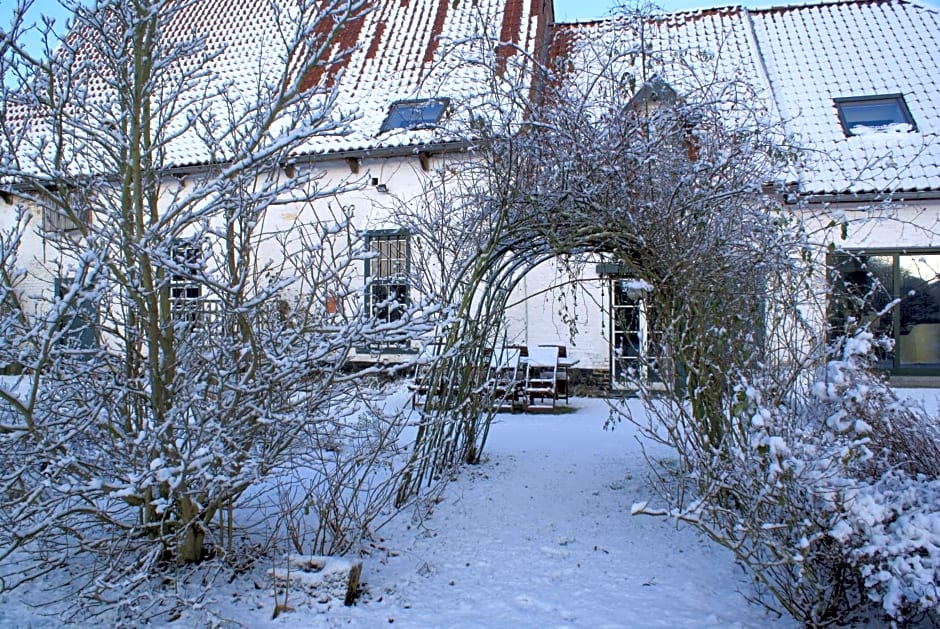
x=81, y=331
x=399, y=107
x=186, y=298
x=632, y=308
x=620, y=301
x=895, y=366
x=842, y=103
x=55, y=221
x=397, y=277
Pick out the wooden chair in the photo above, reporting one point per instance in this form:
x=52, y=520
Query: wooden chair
x=506, y=380
x=541, y=380
x=561, y=391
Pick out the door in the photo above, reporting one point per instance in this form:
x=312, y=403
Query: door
x=631, y=359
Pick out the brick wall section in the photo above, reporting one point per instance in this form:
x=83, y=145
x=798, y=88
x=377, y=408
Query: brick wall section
x=589, y=382
x=509, y=33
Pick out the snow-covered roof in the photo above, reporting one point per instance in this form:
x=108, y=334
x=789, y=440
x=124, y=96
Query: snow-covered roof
x=405, y=49
x=692, y=52
x=397, y=50
x=815, y=53
x=797, y=58
x=803, y=56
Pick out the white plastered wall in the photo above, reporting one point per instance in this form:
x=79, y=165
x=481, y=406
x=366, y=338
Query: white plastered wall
x=898, y=225
x=39, y=258
x=546, y=301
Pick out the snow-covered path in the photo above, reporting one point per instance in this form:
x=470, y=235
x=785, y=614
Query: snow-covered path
x=540, y=535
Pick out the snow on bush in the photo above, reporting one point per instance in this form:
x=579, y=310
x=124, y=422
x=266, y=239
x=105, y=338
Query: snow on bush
x=828, y=494
x=891, y=530
x=872, y=472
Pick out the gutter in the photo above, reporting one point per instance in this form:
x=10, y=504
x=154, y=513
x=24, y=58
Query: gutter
x=437, y=148
x=416, y=150
x=866, y=197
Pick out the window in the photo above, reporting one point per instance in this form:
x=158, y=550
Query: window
x=869, y=114
x=652, y=94
x=57, y=221
x=414, y=114
x=80, y=331
x=387, y=291
x=631, y=348
x=863, y=284
x=185, y=289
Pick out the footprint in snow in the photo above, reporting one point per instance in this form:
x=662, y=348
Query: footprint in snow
x=555, y=552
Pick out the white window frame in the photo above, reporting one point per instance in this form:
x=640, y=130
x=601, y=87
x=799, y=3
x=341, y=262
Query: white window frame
x=639, y=367
x=185, y=292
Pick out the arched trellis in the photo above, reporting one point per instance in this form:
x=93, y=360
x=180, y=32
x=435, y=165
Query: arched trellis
x=703, y=330
x=455, y=420
x=673, y=191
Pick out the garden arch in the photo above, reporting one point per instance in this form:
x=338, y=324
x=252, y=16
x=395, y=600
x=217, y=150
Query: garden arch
x=675, y=192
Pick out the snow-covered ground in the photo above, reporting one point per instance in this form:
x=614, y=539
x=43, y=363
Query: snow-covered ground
x=538, y=535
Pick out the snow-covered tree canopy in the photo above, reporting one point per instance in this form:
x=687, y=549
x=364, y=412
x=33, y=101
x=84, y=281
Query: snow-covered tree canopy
x=656, y=159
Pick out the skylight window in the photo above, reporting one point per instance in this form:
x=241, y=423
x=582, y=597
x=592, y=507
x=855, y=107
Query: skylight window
x=868, y=114
x=415, y=114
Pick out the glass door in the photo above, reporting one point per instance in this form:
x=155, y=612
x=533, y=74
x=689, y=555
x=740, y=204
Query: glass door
x=630, y=357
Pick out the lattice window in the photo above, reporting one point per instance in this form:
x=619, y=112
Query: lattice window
x=387, y=289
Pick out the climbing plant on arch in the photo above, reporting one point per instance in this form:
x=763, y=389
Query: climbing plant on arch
x=639, y=161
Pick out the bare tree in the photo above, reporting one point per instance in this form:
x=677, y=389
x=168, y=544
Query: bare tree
x=179, y=358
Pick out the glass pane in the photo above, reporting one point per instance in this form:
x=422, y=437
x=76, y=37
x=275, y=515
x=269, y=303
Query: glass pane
x=630, y=354
x=876, y=114
x=391, y=258
x=919, y=334
x=388, y=301
x=414, y=114
x=862, y=287
x=627, y=333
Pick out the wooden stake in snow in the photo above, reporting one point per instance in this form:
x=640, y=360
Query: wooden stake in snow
x=324, y=577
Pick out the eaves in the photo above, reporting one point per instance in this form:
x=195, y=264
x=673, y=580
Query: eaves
x=437, y=148
x=863, y=197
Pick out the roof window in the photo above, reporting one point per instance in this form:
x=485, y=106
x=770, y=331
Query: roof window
x=414, y=114
x=873, y=114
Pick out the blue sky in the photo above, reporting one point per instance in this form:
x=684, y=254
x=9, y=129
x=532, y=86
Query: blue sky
x=570, y=10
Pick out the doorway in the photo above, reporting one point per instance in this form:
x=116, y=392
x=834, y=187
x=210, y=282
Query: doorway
x=632, y=362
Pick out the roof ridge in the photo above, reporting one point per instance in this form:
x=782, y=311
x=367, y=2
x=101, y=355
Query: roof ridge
x=738, y=8
x=815, y=4
x=920, y=4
